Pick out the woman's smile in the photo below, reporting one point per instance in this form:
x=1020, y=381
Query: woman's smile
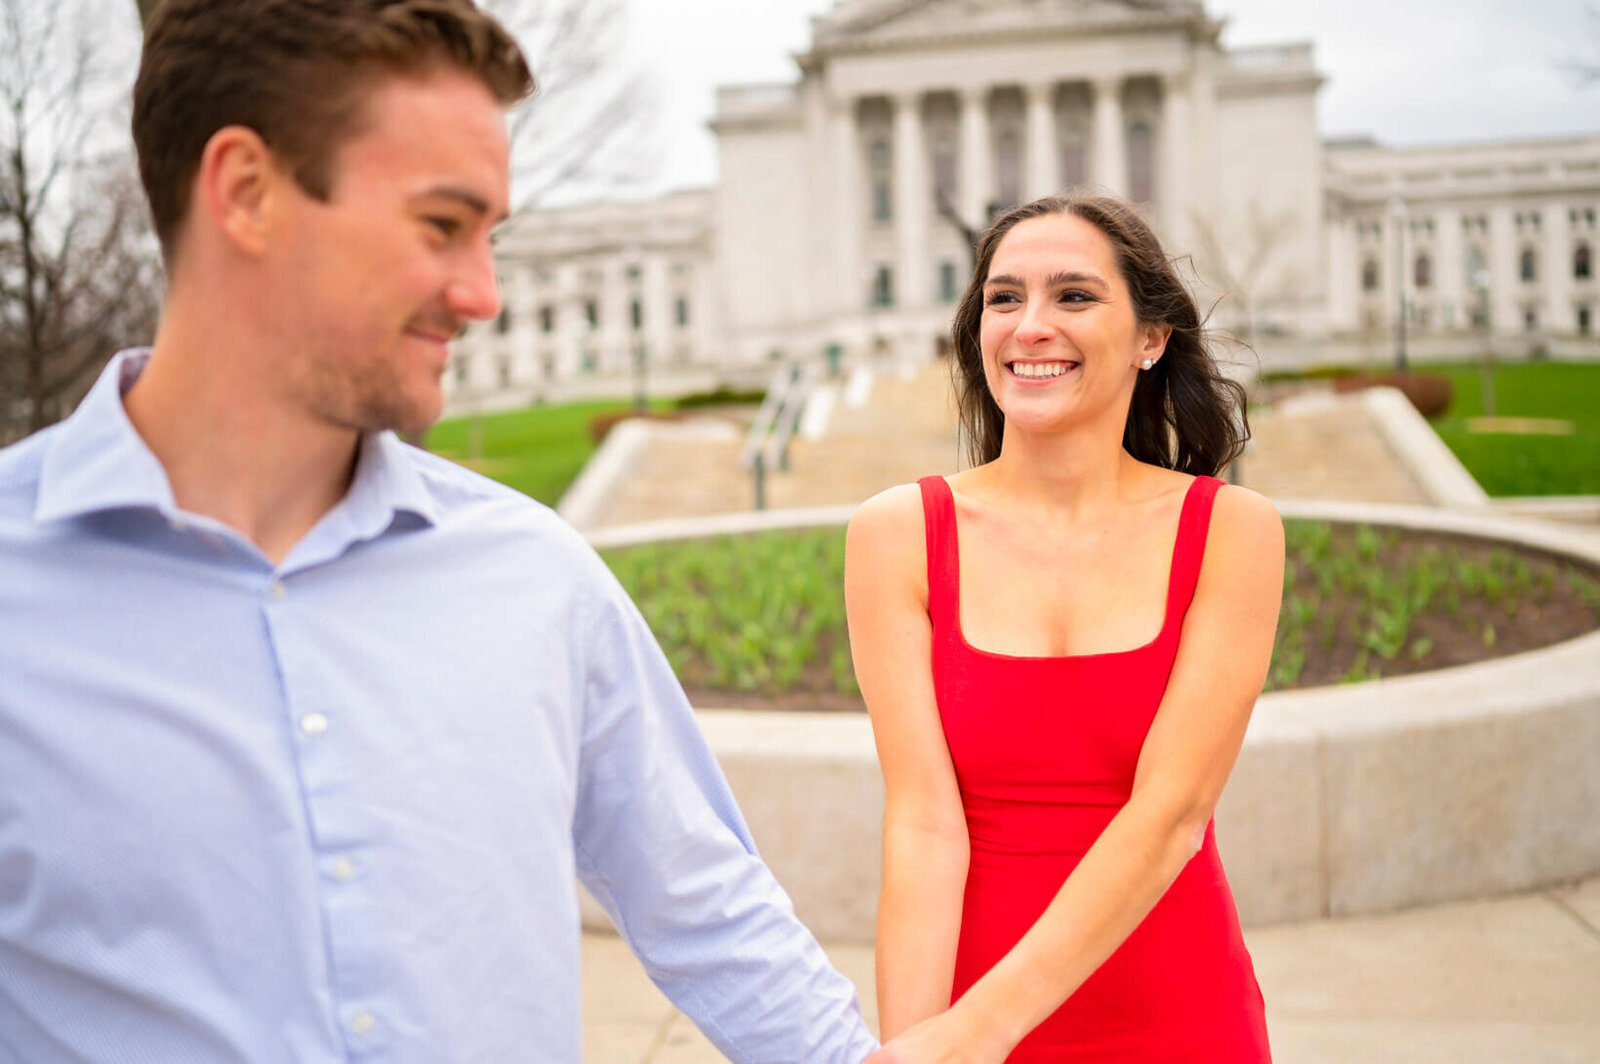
x=1041, y=371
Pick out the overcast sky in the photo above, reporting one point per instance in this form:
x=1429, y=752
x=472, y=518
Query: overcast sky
x=1405, y=71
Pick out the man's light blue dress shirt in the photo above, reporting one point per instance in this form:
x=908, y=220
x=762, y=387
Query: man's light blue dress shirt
x=333, y=810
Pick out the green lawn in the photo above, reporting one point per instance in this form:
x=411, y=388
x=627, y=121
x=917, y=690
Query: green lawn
x=538, y=450
x=1516, y=464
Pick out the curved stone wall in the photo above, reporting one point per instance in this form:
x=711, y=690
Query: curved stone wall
x=1458, y=783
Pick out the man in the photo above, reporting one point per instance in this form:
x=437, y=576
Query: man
x=305, y=734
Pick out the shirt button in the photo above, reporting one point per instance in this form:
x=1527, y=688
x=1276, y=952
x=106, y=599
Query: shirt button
x=313, y=723
x=344, y=870
x=277, y=590
x=363, y=1023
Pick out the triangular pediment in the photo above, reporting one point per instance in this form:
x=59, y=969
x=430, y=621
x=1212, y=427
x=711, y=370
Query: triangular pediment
x=864, y=24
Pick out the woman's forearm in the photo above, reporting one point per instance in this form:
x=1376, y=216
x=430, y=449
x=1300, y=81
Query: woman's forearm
x=1120, y=879
x=919, y=922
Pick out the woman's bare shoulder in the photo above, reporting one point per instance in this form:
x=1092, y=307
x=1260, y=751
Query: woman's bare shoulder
x=1242, y=511
x=895, y=511
x=1245, y=539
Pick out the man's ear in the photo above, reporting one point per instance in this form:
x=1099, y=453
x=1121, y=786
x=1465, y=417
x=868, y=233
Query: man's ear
x=237, y=185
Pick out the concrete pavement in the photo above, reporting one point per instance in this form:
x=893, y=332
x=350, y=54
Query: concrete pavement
x=1511, y=980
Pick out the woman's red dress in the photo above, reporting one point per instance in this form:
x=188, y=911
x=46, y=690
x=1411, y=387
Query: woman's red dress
x=1045, y=750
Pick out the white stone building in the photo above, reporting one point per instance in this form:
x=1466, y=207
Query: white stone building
x=833, y=225
x=591, y=296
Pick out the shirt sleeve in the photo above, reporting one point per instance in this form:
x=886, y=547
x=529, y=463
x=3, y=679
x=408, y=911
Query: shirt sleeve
x=661, y=845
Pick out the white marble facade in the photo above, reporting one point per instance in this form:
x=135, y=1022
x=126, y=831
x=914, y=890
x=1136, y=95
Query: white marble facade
x=833, y=224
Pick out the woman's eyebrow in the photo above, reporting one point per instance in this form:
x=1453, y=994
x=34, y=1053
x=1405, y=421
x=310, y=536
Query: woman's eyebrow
x=1055, y=280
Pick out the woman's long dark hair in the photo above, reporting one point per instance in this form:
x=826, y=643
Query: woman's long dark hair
x=1185, y=414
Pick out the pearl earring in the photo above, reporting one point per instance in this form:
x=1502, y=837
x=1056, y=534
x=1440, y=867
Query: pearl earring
x=1147, y=363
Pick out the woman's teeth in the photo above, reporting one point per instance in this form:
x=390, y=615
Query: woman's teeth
x=1037, y=370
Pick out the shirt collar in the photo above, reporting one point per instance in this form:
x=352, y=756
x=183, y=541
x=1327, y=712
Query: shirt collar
x=97, y=461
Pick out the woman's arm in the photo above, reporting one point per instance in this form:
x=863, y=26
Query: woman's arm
x=1222, y=661
x=924, y=827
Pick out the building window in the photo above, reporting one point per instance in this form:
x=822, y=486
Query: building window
x=547, y=318
x=636, y=314
x=1074, y=157
x=1582, y=268
x=948, y=292
x=1583, y=321
x=1141, y=163
x=1477, y=271
x=1008, y=166
x=461, y=369
x=883, y=287
x=882, y=201
x=1422, y=272
x=591, y=313
x=502, y=324
x=503, y=370
x=1530, y=265
x=1530, y=319
x=1369, y=275
x=681, y=311
x=635, y=272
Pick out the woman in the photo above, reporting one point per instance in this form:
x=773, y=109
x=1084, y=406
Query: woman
x=1059, y=692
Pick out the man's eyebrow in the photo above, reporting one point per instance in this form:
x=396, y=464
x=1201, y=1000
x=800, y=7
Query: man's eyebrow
x=468, y=198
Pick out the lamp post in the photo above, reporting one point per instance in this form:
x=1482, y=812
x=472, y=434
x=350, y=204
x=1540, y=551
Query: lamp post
x=640, y=401
x=1480, y=281
x=1397, y=218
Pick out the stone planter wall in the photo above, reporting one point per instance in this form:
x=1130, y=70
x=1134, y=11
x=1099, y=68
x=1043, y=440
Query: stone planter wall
x=1458, y=783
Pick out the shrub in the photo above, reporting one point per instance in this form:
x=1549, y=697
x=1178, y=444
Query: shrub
x=1430, y=393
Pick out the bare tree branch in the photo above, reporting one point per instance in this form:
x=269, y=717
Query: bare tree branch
x=1584, y=68
x=1239, y=259
x=79, y=271
x=588, y=127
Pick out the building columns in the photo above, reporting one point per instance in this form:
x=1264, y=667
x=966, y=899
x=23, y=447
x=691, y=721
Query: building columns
x=912, y=187
x=1174, y=159
x=1041, y=175
x=1110, y=147
x=975, y=168
x=848, y=176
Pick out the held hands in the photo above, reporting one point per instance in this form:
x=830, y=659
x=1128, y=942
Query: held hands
x=951, y=1037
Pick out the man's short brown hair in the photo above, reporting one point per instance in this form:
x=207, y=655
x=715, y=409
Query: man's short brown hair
x=298, y=73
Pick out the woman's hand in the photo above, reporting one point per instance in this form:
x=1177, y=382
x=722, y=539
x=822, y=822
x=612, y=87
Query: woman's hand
x=952, y=1037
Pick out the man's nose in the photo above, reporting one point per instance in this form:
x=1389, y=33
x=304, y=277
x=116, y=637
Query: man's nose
x=475, y=292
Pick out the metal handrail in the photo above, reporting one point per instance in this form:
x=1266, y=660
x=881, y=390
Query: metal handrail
x=766, y=445
x=766, y=416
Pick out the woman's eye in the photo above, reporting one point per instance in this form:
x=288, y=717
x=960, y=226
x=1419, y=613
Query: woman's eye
x=994, y=298
x=1074, y=295
x=447, y=227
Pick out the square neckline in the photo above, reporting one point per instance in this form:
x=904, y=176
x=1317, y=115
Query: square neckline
x=1166, y=610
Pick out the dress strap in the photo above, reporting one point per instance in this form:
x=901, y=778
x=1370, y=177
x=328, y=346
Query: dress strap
x=939, y=524
x=1194, y=521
